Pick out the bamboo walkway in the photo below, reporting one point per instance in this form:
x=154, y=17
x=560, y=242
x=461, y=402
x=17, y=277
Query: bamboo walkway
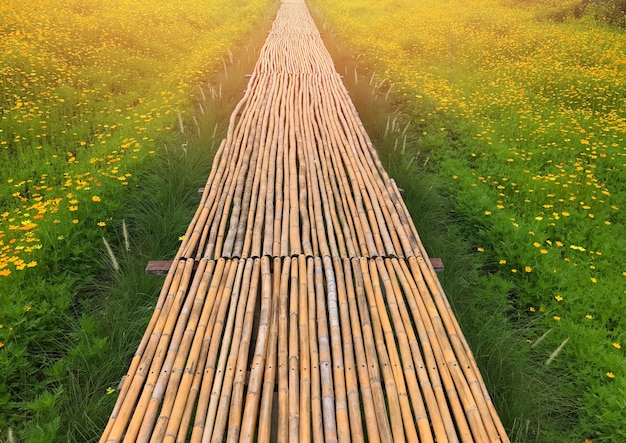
x=301, y=305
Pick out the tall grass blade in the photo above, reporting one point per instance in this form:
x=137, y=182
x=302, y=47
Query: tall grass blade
x=114, y=263
x=556, y=352
x=180, y=123
x=126, y=236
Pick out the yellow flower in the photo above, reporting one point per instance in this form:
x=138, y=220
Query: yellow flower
x=617, y=346
x=95, y=198
x=558, y=297
x=528, y=269
x=532, y=309
x=479, y=249
x=544, y=251
x=502, y=262
x=101, y=223
x=487, y=212
x=594, y=280
x=556, y=317
x=75, y=221
x=181, y=238
x=1, y=345
x=610, y=375
x=73, y=208
x=588, y=316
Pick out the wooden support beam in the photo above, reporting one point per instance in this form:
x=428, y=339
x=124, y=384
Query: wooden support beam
x=437, y=264
x=161, y=267
x=201, y=190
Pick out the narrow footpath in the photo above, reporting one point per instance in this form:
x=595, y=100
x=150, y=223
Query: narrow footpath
x=301, y=305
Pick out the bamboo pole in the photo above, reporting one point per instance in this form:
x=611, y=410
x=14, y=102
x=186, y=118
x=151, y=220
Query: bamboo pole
x=238, y=358
x=293, y=388
x=244, y=430
x=374, y=370
x=304, y=432
x=316, y=395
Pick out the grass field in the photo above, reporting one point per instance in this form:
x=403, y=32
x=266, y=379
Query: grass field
x=509, y=141
x=94, y=95
x=519, y=110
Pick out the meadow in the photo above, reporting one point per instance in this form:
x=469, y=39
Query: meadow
x=518, y=111
x=93, y=95
x=509, y=139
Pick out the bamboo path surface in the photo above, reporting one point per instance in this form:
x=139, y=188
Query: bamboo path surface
x=301, y=305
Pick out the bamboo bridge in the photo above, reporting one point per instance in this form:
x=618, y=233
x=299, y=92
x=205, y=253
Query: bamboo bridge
x=301, y=305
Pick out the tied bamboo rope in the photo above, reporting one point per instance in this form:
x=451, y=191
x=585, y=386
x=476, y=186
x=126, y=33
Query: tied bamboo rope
x=301, y=305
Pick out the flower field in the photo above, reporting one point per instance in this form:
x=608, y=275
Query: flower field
x=521, y=106
x=85, y=88
x=89, y=91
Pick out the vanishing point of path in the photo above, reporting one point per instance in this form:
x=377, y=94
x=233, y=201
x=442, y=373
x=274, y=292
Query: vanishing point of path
x=301, y=305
